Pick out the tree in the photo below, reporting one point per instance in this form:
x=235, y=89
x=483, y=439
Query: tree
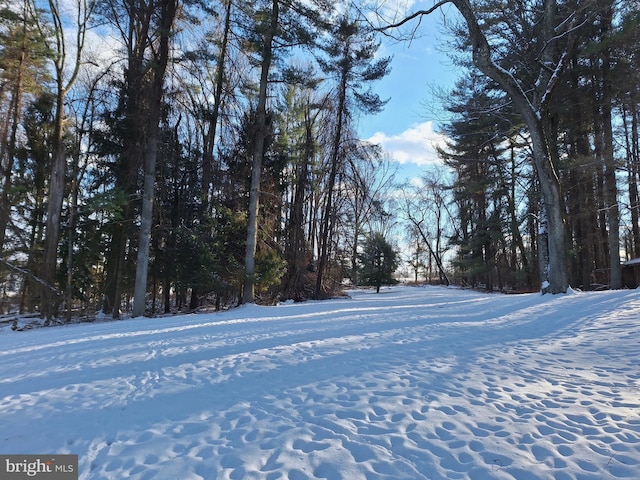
x=604, y=138
x=378, y=261
x=415, y=257
x=628, y=98
x=351, y=59
x=279, y=26
x=271, y=30
x=57, y=177
x=420, y=229
x=32, y=175
x=543, y=40
x=23, y=76
x=146, y=30
x=157, y=66
x=300, y=123
x=212, y=117
x=368, y=181
x=584, y=109
x=483, y=152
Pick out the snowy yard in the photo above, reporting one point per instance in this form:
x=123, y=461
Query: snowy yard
x=412, y=383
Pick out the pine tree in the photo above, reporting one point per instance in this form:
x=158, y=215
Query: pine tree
x=146, y=31
x=479, y=131
x=299, y=124
x=23, y=75
x=277, y=27
x=378, y=262
x=351, y=60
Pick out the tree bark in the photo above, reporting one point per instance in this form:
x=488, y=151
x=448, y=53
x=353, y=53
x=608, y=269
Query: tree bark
x=146, y=221
x=168, y=9
x=248, y=292
x=611, y=186
x=633, y=159
x=49, y=305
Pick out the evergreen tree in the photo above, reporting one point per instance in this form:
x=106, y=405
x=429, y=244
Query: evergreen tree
x=525, y=48
x=31, y=184
x=378, y=262
x=23, y=80
x=277, y=26
x=299, y=125
x=146, y=32
x=482, y=153
x=351, y=60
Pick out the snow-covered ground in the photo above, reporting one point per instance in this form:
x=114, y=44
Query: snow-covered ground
x=412, y=383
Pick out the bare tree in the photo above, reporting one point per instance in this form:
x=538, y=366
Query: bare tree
x=368, y=181
x=59, y=158
x=425, y=208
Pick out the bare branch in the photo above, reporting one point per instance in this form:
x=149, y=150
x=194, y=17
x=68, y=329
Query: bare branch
x=26, y=273
x=413, y=16
x=418, y=225
x=553, y=80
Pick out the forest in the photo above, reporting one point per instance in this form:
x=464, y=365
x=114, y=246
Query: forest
x=163, y=155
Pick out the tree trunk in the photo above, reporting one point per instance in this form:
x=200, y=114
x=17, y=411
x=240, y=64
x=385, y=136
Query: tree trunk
x=611, y=186
x=331, y=181
x=610, y=194
x=296, y=251
x=248, y=293
x=168, y=12
x=146, y=221
x=553, y=270
x=49, y=306
x=210, y=135
x=633, y=159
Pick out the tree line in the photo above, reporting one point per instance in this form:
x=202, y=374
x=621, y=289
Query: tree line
x=182, y=153
x=543, y=142
x=162, y=155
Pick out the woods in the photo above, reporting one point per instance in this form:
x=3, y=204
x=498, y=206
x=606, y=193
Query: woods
x=162, y=156
x=534, y=200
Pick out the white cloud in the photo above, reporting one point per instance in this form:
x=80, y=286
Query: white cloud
x=102, y=47
x=415, y=145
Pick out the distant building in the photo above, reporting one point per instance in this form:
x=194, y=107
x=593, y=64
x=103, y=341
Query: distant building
x=631, y=273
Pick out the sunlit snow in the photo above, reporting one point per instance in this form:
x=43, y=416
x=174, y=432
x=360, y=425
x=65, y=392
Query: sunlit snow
x=412, y=383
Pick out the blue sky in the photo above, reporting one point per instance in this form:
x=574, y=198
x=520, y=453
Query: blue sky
x=407, y=127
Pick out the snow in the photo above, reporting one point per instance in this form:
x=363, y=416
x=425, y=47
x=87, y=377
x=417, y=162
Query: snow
x=412, y=383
